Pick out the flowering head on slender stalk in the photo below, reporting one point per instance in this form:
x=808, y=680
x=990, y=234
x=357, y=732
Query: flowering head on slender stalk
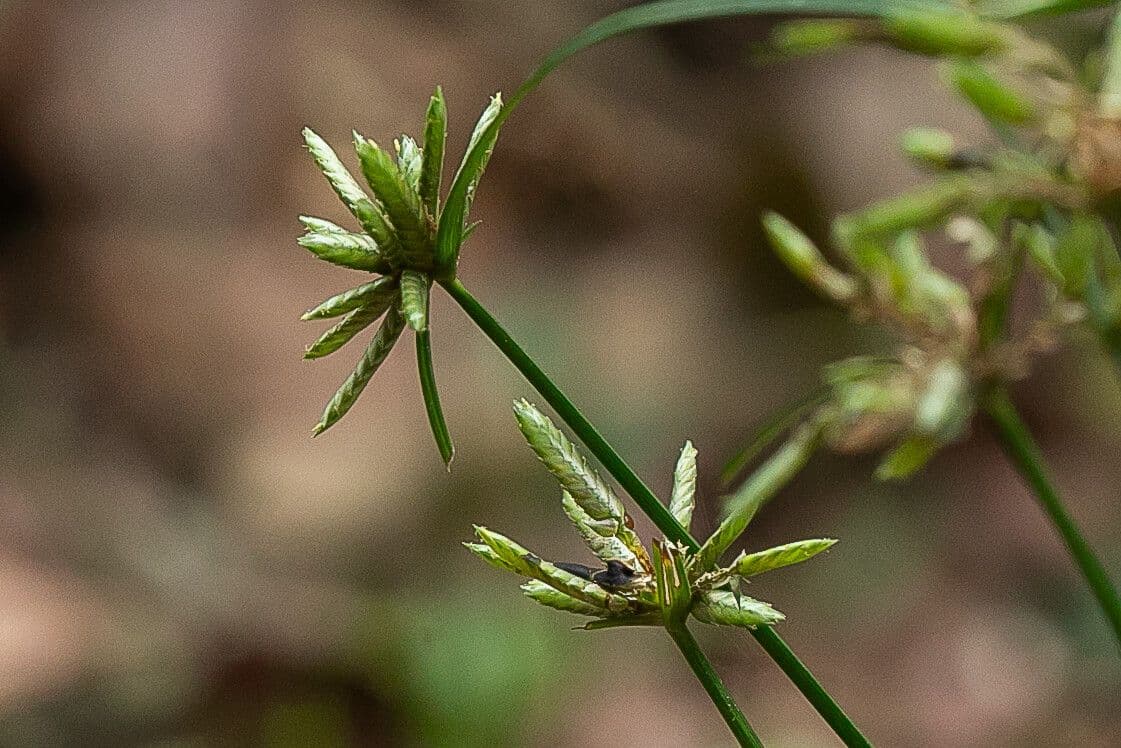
x=407, y=238
x=1031, y=210
x=635, y=586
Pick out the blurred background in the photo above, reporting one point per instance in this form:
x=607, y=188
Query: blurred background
x=181, y=564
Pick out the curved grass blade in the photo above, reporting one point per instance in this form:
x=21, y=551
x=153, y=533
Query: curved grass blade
x=414, y=299
x=775, y=426
x=432, y=398
x=449, y=236
x=432, y=157
x=683, y=498
x=781, y=555
x=449, y=233
x=372, y=358
x=352, y=324
x=367, y=294
x=649, y=15
x=354, y=251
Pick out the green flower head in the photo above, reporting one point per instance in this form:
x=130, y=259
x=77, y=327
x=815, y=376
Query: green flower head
x=407, y=238
x=635, y=586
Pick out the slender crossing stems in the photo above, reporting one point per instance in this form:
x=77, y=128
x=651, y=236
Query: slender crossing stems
x=801, y=676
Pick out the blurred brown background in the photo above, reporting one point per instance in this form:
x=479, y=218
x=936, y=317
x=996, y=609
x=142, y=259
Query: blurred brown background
x=180, y=563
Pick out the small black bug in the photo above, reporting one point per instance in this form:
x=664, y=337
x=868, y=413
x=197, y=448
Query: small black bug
x=617, y=575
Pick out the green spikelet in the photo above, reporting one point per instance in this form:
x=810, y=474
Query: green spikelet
x=354, y=251
x=722, y=608
x=402, y=203
x=781, y=555
x=682, y=500
x=601, y=536
x=370, y=215
x=546, y=595
x=566, y=463
x=414, y=299
x=409, y=160
x=530, y=565
x=350, y=325
x=368, y=294
x=372, y=358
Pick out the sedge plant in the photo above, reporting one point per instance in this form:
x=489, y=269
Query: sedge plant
x=407, y=264
x=412, y=231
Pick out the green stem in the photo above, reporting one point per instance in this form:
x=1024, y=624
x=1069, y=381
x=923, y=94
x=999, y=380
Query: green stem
x=1024, y=454
x=706, y=674
x=432, y=397
x=800, y=675
x=833, y=715
x=568, y=412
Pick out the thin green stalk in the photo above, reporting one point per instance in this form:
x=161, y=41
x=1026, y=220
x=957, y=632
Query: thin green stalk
x=1024, y=454
x=432, y=397
x=706, y=674
x=568, y=412
x=800, y=675
x=833, y=715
